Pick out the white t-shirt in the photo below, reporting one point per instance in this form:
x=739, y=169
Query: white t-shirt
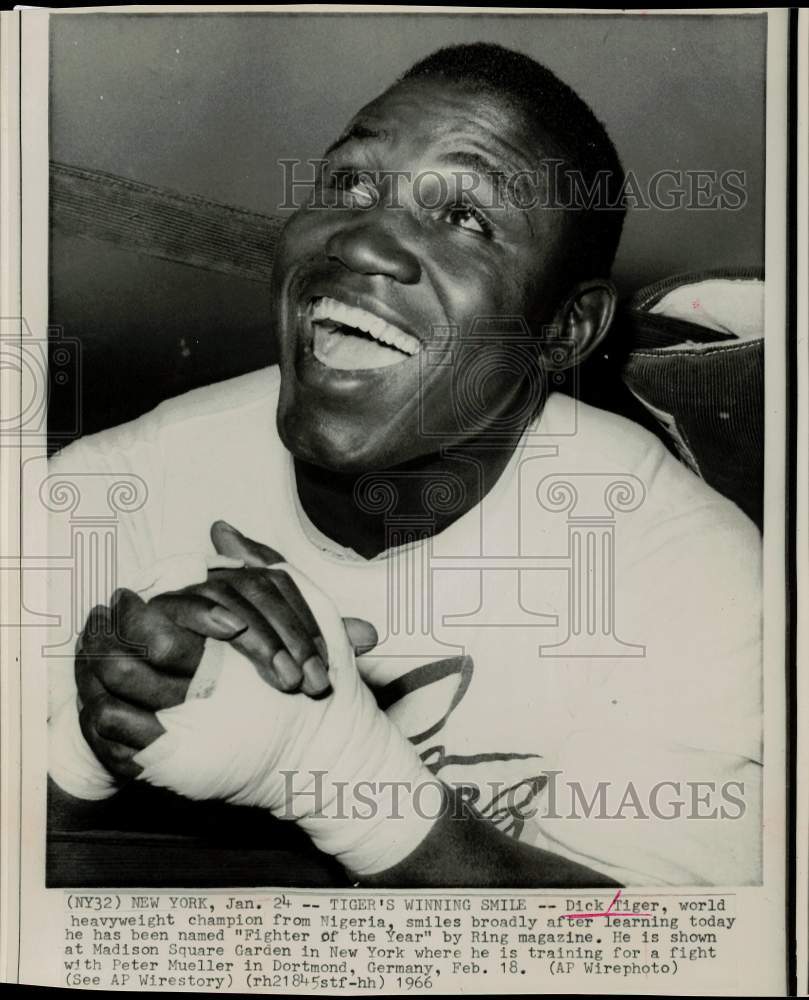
x=582, y=649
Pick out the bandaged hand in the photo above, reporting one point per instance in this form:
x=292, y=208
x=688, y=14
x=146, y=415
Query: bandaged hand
x=336, y=765
x=141, y=654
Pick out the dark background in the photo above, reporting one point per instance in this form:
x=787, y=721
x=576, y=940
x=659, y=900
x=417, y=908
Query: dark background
x=207, y=104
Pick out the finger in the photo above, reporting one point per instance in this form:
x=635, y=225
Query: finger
x=98, y=634
x=316, y=682
x=121, y=631
x=296, y=600
x=361, y=634
x=113, y=629
x=228, y=541
x=192, y=610
x=108, y=718
x=299, y=657
x=88, y=686
x=260, y=642
x=117, y=758
x=138, y=683
x=156, y=631
x=277, y=597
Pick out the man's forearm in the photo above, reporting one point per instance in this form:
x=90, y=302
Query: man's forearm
x=464, y=849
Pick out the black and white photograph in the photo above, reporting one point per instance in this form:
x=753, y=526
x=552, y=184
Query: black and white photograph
x=402, y=527
x=457, y=328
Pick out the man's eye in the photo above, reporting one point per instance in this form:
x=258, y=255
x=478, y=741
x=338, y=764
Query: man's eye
x=469, y=218
x=359, y=187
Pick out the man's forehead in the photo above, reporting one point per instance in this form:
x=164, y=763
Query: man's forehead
x=431, y=116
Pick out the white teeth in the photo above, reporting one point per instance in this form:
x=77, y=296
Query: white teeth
x=328, y=310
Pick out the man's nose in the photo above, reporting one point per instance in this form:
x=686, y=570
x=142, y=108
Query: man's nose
x=375, y=244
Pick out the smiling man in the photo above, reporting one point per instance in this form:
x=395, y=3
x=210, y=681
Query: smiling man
x=577, y=728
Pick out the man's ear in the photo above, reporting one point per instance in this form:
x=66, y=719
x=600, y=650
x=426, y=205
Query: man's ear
x=581, y=323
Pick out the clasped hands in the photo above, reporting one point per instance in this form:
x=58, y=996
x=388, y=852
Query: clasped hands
x=136, y=658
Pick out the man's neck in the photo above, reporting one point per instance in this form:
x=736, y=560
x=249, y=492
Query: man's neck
x=371, y=512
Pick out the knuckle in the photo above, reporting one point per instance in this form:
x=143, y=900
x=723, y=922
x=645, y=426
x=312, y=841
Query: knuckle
x=279, y=577
x=116, y=672
x=122, y=596
x=271, y=556
x=90, y=672
x=127, y=609
x=162, y=648
x=259, y=583
x=106, y=716
x=213, y=589
x=121, y=754
x=97, y=627
x=305, y=647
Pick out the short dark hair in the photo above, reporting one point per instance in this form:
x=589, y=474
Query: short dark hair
x=570, y=131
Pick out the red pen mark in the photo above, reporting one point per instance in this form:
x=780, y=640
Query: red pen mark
x=695, y=304
x=604, y=913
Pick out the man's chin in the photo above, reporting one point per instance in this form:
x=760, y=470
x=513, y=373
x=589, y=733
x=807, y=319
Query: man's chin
x=344, y=451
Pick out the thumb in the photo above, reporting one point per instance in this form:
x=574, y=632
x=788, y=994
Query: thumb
x=361, y=634
x=230, y=542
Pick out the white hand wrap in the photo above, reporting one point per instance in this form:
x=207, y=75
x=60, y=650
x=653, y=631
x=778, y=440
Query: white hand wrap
x=71, y=762
x=337, y=765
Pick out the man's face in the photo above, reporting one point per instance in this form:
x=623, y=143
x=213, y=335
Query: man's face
x=376, y=296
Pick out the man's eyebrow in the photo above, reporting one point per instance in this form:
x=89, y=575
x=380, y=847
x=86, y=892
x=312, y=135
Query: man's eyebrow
x=359, y=130
x=473, y=161
x=467, y=160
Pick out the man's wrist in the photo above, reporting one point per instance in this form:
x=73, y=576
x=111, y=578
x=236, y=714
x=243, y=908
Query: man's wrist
x=370, y=824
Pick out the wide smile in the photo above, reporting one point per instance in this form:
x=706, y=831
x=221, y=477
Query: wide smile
x=350, y=338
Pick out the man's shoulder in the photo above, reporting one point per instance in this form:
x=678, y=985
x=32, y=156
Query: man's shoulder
x=687, y=559
x=590, y=440
x=198, y=416
x=228, y=401
x=588, y=436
